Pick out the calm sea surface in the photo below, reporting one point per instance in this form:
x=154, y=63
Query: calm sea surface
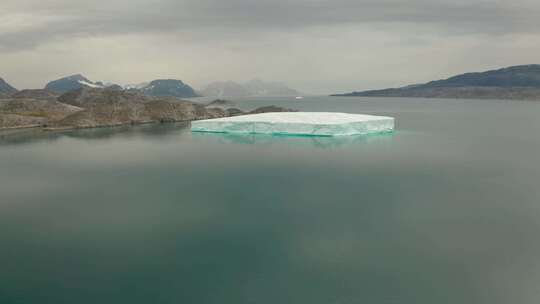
x=445, y=210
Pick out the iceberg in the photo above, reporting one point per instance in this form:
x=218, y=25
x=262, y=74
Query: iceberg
x=298, y=123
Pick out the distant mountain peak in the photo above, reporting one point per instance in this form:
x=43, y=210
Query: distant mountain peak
x=77, y=77
x=168, y=87
x=69, y=83
x=6, y=88
x=254, y=87
x=74, y=82
x=169, y=80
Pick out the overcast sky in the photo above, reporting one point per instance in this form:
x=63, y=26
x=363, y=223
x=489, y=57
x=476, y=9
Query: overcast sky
x=316, y=46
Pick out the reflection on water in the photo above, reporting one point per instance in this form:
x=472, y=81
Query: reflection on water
x=173, y=129
x=314, y=141
x=22, y=136
x=445, y=210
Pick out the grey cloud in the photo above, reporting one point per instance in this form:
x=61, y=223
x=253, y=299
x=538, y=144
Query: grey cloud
x=75, y=18
x=316, y=46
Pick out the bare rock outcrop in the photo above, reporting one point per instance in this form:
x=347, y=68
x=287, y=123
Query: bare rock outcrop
x=12, y=121
x=105, y=107
x=35, y=94
x=97, y=107
x=50, y=110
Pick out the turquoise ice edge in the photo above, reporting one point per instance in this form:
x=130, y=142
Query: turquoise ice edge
x=313, y=141
x=295, y=134
x=306, y=124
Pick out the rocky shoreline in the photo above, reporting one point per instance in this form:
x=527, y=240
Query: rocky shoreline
x=96, y=107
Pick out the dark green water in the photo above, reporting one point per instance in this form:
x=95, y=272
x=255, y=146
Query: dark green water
x=446, y=210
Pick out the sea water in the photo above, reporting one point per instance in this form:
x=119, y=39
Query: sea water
x=444, y=210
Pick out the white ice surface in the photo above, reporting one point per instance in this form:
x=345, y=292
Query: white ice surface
x=298, y=123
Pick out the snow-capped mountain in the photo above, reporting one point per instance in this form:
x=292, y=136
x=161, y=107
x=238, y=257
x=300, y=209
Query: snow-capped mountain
x=70, y=83
x=75, y=82
x=90, y=84
x=159, y=87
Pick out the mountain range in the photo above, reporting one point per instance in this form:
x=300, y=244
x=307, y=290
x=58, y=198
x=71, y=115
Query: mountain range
x=159, y=87
x=255, y=87
x=77, y=102
x=517, y=82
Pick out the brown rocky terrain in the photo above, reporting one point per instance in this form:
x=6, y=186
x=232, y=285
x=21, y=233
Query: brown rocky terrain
x=32, y=112
x=220, y=103
x=12, y=121
x=96, y=107
x=105, y=107
x=268, y=109
x=35, y=94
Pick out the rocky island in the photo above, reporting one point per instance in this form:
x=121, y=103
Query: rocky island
x=89, y=106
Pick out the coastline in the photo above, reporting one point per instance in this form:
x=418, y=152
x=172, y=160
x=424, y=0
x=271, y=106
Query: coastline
x=69, y=128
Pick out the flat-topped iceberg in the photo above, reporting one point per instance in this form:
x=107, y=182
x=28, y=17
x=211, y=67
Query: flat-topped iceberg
x=298, y=123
